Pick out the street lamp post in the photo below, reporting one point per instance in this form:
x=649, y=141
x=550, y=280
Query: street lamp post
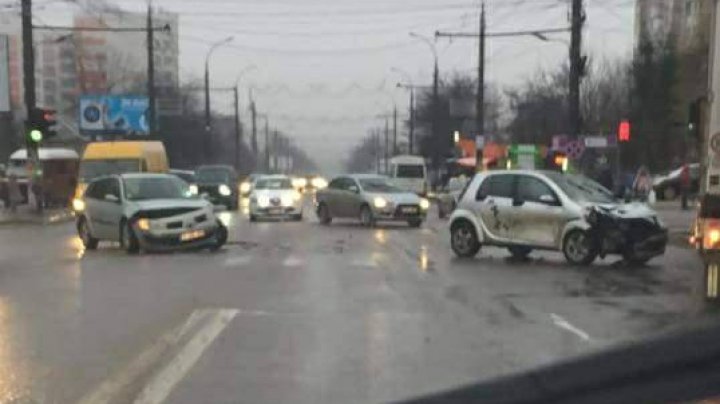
x=436, y=74
x=411, y=87
x=207, y=87
x=238, y=126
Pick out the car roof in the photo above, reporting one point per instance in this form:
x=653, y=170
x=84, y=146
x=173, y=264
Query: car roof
x=215, y=167
x=145, y=175
x=364, y=176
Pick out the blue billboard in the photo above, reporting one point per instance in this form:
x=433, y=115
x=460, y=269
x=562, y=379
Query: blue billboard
x=113, y=115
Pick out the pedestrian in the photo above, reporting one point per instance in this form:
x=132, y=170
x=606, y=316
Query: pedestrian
x=684, y=185
x=642, y=185
x=14, y=195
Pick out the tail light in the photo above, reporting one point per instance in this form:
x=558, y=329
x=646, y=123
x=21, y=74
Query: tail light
x=711, y=234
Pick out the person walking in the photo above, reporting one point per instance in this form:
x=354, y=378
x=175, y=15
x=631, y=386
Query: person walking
x=642, y=185
x=14, y=195
x=684, y=185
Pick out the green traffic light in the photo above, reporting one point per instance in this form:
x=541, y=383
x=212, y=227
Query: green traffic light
x=36, y=136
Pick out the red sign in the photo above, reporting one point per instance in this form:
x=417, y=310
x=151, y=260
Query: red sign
x=624, y=131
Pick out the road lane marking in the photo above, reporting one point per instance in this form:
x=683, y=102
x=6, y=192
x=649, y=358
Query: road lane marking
x=293, y=261
x=111, y=387
x=564, y=324
x=162, y=384
x=237, y=261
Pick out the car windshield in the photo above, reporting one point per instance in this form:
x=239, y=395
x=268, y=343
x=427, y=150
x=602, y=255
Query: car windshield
x=213, y=175
x=146, y=188
x=187, y=177
x=273, y=183
x=582, y=189
x=91, y=169
x=378, y=185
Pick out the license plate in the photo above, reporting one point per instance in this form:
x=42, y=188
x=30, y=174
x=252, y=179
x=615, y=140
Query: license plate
x=409, y=210
x=192, y=235
x=275, y=211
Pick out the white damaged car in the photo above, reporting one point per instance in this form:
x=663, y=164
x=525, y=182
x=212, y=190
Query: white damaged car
x=547, y=210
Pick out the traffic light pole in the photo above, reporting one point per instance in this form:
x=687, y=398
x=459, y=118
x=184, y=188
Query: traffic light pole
x=29, y=84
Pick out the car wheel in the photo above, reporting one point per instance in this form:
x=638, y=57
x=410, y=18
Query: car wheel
x=578, y=249
x=128, y=239
x=253, y=218
x=669, y=193
x=519, y=252
x=298, y=217
x=464, y=239
x=324, y=214
x=88, y=240
x=221, y=236
x=415, y=222
x=366, y=216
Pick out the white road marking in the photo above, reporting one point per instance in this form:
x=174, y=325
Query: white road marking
x=111, y=387
x=564, y=324
x=293, y=261
x=160, y=386
x=237, y=261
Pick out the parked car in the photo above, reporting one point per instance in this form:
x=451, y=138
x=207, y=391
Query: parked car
x=147, y=211
x=219, y=183
x=526, y=210
x=370, y=198
x=667, y=187
x=273, y=196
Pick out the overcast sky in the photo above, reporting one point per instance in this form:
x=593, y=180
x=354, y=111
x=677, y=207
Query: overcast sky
x=324, y=67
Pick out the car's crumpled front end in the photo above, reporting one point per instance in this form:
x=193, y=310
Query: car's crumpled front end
x=178, y=227
x=632, y=230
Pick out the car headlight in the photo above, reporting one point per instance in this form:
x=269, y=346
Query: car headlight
x=224, y=190
x=245, y=187
x=380, y=203
x=299, y=182
x=143, y=224
x=424, y=204
x=319, y=183
x=193, y=189
x=78, y=205
x=263, y=201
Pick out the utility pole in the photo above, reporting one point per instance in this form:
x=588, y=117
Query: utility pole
x=377, y=151
x=267, y=145
x=577, y=68
x=434, y=115
x=151, y=71
x=276, y=150
x=387, y=145
x=254, y=140
x=480, y=103
x=238, y=128
x=395, y=144
x=29, y=83
x=411, y=140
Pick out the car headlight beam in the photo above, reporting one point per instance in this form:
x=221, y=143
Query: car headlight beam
x=424, y=204
x=143, y=224
x=380, y=202
x=224, y=190
x=245, y=187
x=78, y=205
x=263, y=201
x=193, y=189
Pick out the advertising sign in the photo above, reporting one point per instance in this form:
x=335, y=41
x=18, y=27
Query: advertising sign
x=113, y=115
x=4, y=74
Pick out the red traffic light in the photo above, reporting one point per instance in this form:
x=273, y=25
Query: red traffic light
x=624, y=131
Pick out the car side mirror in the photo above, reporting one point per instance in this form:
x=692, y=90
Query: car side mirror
x=354, y=188
x=112, y=198
x=548, y=199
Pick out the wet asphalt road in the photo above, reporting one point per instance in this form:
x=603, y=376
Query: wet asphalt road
x=297, y=312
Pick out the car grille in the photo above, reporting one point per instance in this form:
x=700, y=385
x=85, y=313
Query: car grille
x=211, y=190
x=641, y=229
x=275, y=201
x=175, y=225
x=161, y=213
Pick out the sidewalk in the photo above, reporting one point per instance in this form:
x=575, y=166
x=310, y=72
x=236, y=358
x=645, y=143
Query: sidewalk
x=676, y=219
x=26, y=215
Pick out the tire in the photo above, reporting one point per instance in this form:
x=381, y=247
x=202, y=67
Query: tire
x=464, y=240
x=366, y=216
x=577, y=249
x=298, y=217
x=128, y=240
x=415, y=223
x=253, y=218
x=221, y=237
x=88, y=240
x=669, y=193
x=324, y=214
x=519, y=252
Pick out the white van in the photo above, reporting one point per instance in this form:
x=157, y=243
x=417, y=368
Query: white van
x=409, y=173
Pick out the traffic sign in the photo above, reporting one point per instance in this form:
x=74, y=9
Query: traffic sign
x=574, y=149
x=595, y=142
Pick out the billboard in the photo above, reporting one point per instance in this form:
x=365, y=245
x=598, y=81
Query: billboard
x=113, y=115
x=4, y=74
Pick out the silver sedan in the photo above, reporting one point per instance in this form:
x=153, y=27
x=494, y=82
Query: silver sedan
x=370, y=198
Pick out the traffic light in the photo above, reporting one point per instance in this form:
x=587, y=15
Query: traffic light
x=693, y=123
x=624, y=131
x=43, y=120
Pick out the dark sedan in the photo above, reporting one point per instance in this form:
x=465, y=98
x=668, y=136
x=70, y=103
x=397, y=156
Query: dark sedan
x=219, y=184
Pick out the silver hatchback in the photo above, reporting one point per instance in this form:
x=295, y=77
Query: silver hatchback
x=370, y=198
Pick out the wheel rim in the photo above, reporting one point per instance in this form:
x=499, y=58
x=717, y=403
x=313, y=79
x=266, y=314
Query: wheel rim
x=576, y=247
x=462, y=239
